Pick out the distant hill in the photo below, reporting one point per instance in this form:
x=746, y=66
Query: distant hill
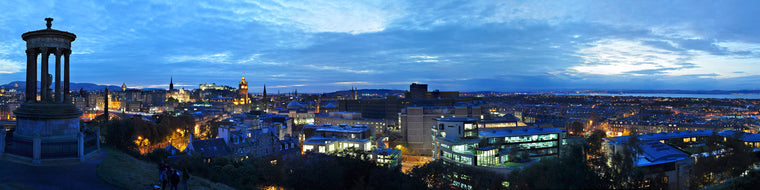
x=21, y=85
x=378, y=92
x=655, y=91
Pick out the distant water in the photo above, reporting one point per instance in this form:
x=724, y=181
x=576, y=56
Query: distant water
x=721, y=96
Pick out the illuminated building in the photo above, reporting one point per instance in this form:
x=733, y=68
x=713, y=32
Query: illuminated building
x=350, y=118
x=415, y=123
x=9, y=101
x=243, y=98
x=660, y=157
x=212, y=86
x=330, y=107
x=459, y=140
x=502, y=122
x=254, y=141
x=298, y=112
x=663, y=153
x=354, y=93
x=625, y=127
x=113, y=102
x=332, y=139
x=248, y=134
x=181, y=96
x=387, y=157
x=281, y=124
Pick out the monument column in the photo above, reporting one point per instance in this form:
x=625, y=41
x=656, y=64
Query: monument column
x=66, y=95
x=58, y=95
x=31, y=75
x=44, y=82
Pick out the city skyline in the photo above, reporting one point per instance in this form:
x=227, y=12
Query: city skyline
x=327, y=46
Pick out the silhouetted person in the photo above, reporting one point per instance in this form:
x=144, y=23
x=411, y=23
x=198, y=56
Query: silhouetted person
x=185, y=178
x=174, y=179
x=165, y=178
x=161, y=168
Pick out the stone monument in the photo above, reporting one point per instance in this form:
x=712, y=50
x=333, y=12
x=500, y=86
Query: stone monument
x=47, y=123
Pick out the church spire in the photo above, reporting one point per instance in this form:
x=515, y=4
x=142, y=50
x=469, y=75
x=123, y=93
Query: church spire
x=265, y=100
x=171, y=83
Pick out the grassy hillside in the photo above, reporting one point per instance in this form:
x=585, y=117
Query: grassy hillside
x=125, y=171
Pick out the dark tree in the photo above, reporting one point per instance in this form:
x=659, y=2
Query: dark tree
x=576, y=129
x=120, y=134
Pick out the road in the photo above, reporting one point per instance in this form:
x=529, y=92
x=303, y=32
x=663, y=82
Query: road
x=409, y=162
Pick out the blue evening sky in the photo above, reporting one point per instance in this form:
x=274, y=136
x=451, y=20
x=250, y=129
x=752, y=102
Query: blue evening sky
x=328, y=45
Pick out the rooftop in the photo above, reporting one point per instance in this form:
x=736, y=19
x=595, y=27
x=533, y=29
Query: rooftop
x=505, y=132
x=456, y=119
x=746, y=137
x=654, y=152
x=211, y=147
x=675, y=134
x=340, y=128
x=328, y=140
x=386, y=151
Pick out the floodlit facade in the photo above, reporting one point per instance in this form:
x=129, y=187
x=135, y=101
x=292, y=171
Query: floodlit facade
x=331, y=139
x=415, y=123
x=350, y=118
x=300, y=114
x=459, y=140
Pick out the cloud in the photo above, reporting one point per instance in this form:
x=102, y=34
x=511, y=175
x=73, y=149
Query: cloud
x=288, y=86
x=8, y=54
x=9, y=66
x=424, y=59
x=742, y=48
x=652, y=58
x=350, y=83
x=352, y=17
x=617, y=56
x=339, y=69
x=211, y=58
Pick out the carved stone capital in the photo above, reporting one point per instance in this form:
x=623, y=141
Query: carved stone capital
x=58, y=52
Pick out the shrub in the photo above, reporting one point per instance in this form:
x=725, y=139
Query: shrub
x=158, y=155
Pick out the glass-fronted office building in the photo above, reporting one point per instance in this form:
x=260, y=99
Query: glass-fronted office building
x=459, y=140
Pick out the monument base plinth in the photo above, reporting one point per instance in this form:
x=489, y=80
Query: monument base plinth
x=50, y=132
